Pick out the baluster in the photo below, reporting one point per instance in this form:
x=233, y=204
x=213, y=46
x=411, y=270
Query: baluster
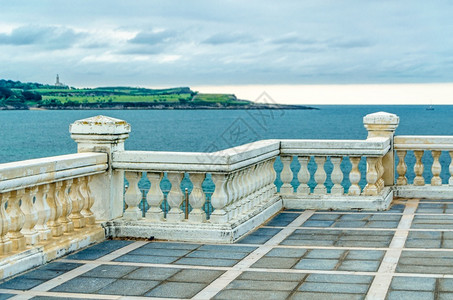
x=248, y=189
x=66, y=208
x=88, y=202
x=320, y=176
x=450, y=168
x=286, y=176
x=401, y=168
x=55, y=209
x=5, y=222
x=336, y=176
x=436, y=168
x=44, y=211
x=241, y=192
x=155, y=197
x=133, y=196
x=237, y=194
x=197, y=198
x=381, y=170
x=175, y=197
x=372, y=175
x=418, y=168
x=273, y=177
x=303, y=176
x=77, y=202
x=31, y=217
x=354, y=176
x=260, y=177
x=231, y=207
x=17, y=220
x=219, y=199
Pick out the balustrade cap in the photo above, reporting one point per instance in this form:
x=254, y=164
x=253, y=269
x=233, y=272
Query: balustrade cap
x=381, y=118
x=100, y=125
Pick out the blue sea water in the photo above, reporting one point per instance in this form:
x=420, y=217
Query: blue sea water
x=34, y=134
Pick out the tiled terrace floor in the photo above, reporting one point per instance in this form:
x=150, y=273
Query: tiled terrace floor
x=403, y=253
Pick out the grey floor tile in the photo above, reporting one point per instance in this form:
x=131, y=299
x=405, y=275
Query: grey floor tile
x=349, y=224
x=317, y=223
x=412, y=295
x=170, y=245
x=206, y=262
x=339, y=278
x=87, y=285
x=192, y=275
x=251, y=294
x=88, y=254
x=350, y=288
x=324, y=217
x=297, y=242
x=109, y=271
x=19, y=283
x=217, y=254
x=325, y=253
x=413, y=283
x=325, y=296
x=255, y=239
x=445, y=296
x=42, y=274
x=176, y=290
x=159, y=252
x=423, y=243
x=316, y=264
x=262, y=285
x=286, y=252
x=446, y=285
x=127, y=287
x=274, y=276
x=365, y=254
x=6, y=296
x=60, y=266
x=275, y=262
x=147, y=259
x=360, y=265
x=152, y=273
x=229, y=248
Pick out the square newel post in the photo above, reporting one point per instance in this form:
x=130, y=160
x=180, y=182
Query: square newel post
x=107, y=135
x=383, y=124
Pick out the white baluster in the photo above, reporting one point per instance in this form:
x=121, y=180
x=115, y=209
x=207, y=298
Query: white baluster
x=197, y=198
x=354, y=176
x=77, y=202
x=219, y=199
x=175, y=197
x=303, y=176
x=155, y=197
x=381, y=170
x=17, y=220
x=401, y=168
x=241, y=191
x=371, y=188
x=68, y=225
x=336, y=176
x=90, y=219
x=55, y=209
x=286, y=176
x=43, y=208
x=133, y=196
x=231, y=207
x=436, y=168
x=248, y=189
x=320, y=176
x=273, y=177
x=5, y=222
x=418, y=168
x=31, y=217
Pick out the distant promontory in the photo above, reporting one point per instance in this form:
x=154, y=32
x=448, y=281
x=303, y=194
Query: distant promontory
x=19, y=95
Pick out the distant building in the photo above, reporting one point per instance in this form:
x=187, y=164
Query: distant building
x=58, y=83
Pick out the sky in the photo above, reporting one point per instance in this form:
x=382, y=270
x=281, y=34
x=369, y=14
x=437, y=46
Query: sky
x=308, y=52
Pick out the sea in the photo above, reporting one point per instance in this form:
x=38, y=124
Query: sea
x=35, y=134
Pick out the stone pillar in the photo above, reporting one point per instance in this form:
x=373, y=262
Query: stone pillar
x=383, y=124
x=107, y=135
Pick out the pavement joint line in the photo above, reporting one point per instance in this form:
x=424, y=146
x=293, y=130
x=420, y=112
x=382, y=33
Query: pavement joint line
x=381, y=283
x=226, y=278
x=364, y=229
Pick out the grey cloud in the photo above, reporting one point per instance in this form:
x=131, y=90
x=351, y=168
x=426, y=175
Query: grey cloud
x=350, y=43
x=50, y=37
x=229, y=38
x=149, y=37
x=293, y=39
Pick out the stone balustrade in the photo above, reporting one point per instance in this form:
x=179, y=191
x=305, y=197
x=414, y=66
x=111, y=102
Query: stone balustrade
x=45, y=203
x=426, y=168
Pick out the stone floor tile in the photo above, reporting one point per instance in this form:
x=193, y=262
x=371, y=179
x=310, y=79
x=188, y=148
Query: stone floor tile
x=217, y=254
x=206, y=262
x=286, y=252
x=176, y=290
x=275, y=262
x=446, y=285
x=363, y=243
x=424, y=269
x=432, y=235
x=316, y=264
x=223, y=248
x=349, y=224
x=365, y=254
x=152, y=273
x=447, y=244
x=262, y=285
x=339, y=278
x=266, y=231
x=413, y=283
x=324, y=217
x=350, y=288
x=423, y=243
x=436, y=261
x=58, y=298
x=385, y=217
x=316, y=223
x=109, y=271
x=88, y=254
x=355, y=217
x=251, y=295
x=412, y=295
x=170, y=245
x=274, y=276
x=382, y=224
x=297, y=242
x=325, y=296
x=159, y=252
x=60, y=266
x=255, y=239
x=42, y=274
x=19, y=283
x=360, y=265
x=193, y=275
x=6, y=296
x=110, y=245
x=86, y=285
x=147, y=259
x=127, y=287
x=325, y=253
x=445, y=296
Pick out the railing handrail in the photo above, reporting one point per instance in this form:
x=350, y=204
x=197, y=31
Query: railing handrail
x=28, y=173
x=423, y=142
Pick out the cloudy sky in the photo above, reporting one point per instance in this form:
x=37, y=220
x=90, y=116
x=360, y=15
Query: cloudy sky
x=230, y=45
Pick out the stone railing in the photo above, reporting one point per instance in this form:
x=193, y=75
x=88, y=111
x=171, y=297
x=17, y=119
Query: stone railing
x=373, y=196
x=426, y=159
x=243, y=180
x=46, y=207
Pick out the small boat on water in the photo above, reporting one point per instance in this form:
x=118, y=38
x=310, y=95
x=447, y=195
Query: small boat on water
x=430, y=107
